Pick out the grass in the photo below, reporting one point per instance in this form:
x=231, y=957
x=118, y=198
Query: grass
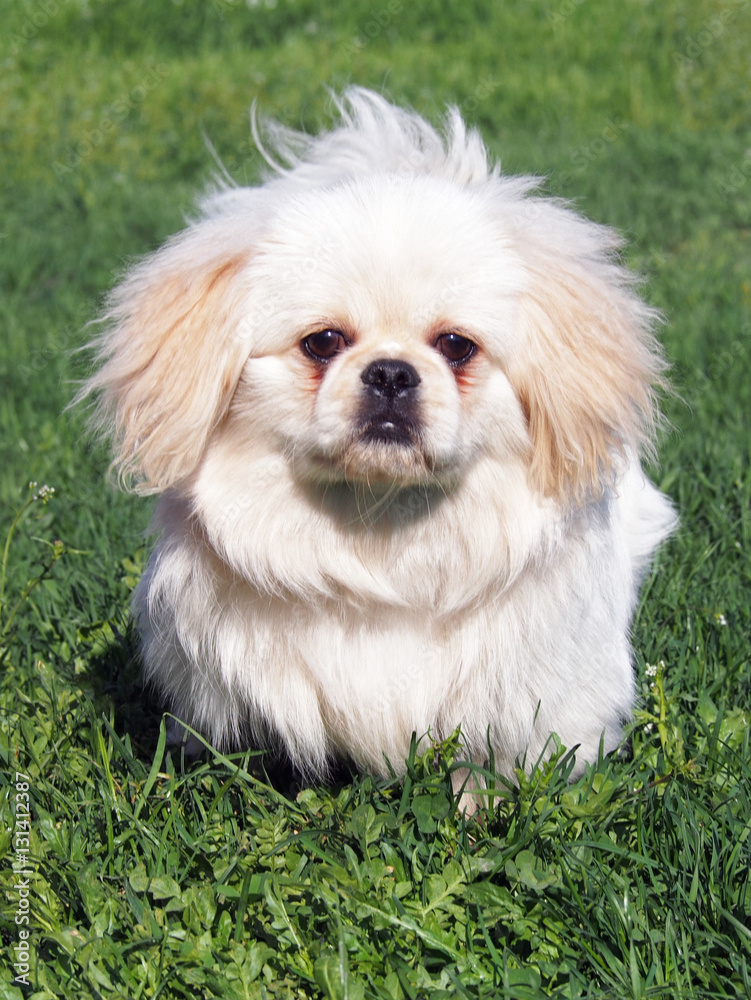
x=152, y=880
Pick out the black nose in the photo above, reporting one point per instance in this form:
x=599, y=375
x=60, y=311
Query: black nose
x=390, y=378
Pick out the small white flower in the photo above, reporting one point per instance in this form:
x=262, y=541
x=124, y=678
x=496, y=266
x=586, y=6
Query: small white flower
x=649, y=727
x=720, y=618
x=44, y=493
x=651, y=671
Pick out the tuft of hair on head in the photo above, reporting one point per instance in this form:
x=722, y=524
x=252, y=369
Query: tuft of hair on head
x=373, y=136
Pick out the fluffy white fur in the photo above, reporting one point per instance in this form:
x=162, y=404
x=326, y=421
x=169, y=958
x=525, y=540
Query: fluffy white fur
x=333, y=592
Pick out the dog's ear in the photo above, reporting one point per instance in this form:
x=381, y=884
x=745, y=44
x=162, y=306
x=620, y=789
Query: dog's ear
x=170, y=357
x=585, y=373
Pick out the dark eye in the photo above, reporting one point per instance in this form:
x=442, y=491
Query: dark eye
x=457, y=350
x=324, y=345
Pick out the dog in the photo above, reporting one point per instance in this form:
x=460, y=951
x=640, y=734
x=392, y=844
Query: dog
x=394, y=404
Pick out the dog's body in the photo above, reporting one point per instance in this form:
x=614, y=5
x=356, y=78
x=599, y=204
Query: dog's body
x=393, y=407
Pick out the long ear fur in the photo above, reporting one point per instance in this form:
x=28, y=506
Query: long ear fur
x=170, y=357
x=587, y=370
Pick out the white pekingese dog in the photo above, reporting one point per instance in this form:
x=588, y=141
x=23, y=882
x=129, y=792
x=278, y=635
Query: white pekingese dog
x=393, y=407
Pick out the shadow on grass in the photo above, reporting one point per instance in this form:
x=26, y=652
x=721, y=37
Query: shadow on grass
x=118, y=690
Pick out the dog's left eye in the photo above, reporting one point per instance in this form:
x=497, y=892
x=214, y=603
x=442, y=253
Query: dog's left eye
x=324, y=345
x=455, y=348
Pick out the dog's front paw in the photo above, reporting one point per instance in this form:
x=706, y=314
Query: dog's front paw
x=179, y=738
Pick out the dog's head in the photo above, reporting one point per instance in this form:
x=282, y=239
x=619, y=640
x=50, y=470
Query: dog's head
x=387, y=312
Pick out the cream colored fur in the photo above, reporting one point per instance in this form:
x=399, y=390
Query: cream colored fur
x=334, y=594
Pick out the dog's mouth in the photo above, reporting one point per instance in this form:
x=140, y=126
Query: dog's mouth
x=384, y=450
x=389, y=430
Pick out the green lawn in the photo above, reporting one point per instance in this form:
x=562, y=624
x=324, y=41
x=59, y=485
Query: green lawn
x=204, y=882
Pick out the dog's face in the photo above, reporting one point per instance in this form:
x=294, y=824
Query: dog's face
x=388, y=312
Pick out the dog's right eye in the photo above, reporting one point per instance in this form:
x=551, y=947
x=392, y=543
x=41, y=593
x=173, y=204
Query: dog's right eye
x=324, y=345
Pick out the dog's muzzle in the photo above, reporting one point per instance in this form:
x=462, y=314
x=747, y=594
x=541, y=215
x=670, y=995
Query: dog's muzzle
x=389, y=411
